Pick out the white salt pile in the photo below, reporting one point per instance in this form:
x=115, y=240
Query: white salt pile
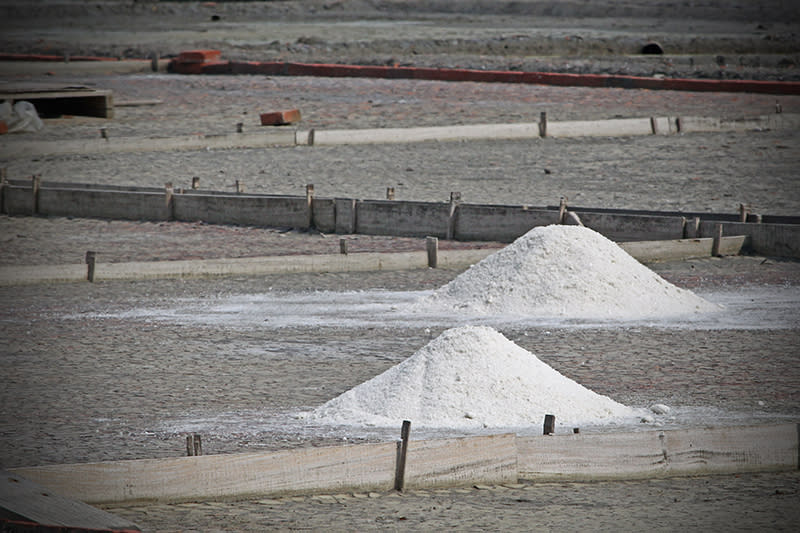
x=561, y=270
x=470, y=377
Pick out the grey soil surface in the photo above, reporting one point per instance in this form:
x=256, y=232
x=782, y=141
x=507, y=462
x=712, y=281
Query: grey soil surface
x=84, y=381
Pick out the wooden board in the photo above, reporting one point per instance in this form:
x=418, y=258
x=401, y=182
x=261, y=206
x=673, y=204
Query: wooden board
x=659, y=453
x=25, y=501
x=55, y=101
x=363, y=467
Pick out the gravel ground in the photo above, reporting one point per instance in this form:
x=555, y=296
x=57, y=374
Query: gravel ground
x=86, y=380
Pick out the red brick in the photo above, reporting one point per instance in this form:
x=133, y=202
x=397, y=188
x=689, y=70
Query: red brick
x=199, y=56
x=280, y=118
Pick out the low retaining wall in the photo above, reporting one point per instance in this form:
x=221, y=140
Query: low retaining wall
x=493, y=459
x=452, y=220
x=182, y=65
x=289, y=137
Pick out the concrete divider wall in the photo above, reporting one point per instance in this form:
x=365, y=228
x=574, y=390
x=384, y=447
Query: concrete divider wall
x=324, y=214
x=778, y=240
x=610, y=128
x=103, y=204
x=276, y=211
x=499, y=223
x=18, y=200
x=411, y=219
x=634, y=227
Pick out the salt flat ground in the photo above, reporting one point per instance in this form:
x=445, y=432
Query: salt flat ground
x=123, y=370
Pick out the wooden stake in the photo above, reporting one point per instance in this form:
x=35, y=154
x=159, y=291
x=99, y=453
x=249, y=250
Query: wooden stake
x=195, y=183
x=549, y=424
x=562, y=210
x=154, y=61
x=194, y=446
x=432, y=247
x=310, y=202
x=239, y=127
x=402, y=452
x=744, y=210
x=390, y=193
x=36, y=182
x=543, y=124
x=455, y=200
x=343, y=246
x=654, y=125
x=239, y=186
x=91, y=257
x=717, y=240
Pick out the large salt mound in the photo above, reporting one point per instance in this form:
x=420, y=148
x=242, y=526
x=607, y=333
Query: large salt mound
x=567, y=271
x=470, y=377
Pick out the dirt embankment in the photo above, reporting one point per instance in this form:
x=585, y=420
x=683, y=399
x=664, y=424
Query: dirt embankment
x=728, y=40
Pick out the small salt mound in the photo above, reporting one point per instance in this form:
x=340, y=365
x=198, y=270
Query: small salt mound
x=470, y=377
x=568, y=271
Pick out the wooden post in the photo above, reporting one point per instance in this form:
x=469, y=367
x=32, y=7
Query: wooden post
x=239, y=186
x=195, y=183
x=36, y=182
x=311, y=137
x=576, y=430
x=390, y=193
x=169, y=192
x=562, y=210
x=402, y=452
x=654, y=125
x=194, y=445
x=744, y=210
x=310, y=203
x=455, y=200
x=154, y=61
x=549, y=424
x=343, y=246
x=104, y=133
x=717, y=240
x=543, y=124
x=3, y=186
x=239, y=127
x=432, y=247
x=91, y=257
x=678, y=124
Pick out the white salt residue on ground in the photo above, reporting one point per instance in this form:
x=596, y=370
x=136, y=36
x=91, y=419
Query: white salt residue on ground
x=470, y=377
x=568, y=271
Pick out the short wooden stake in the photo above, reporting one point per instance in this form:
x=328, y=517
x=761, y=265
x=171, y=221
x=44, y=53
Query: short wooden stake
x=744, y=210
x=678, y=124
x=91, y=258
x=390, y=193
x=194, y=446
x=104, y=133
x=239, y=186
x=154, y=61
x=402, y=452
x=543, y=124
x=455, y=200
x=432, y=247
x=169, y=192
x=195, y=183
x=36, y=182
x=311, y=137
x=717, y=240
x=576, y=430
x=310, y=203
x=562, y=210
x=549, y=424
x=239, y=127
x=343, y=246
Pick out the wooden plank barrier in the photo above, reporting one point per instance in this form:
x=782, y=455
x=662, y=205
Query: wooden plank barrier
x=492, y=459
x=362, y=467
x=585, y=456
